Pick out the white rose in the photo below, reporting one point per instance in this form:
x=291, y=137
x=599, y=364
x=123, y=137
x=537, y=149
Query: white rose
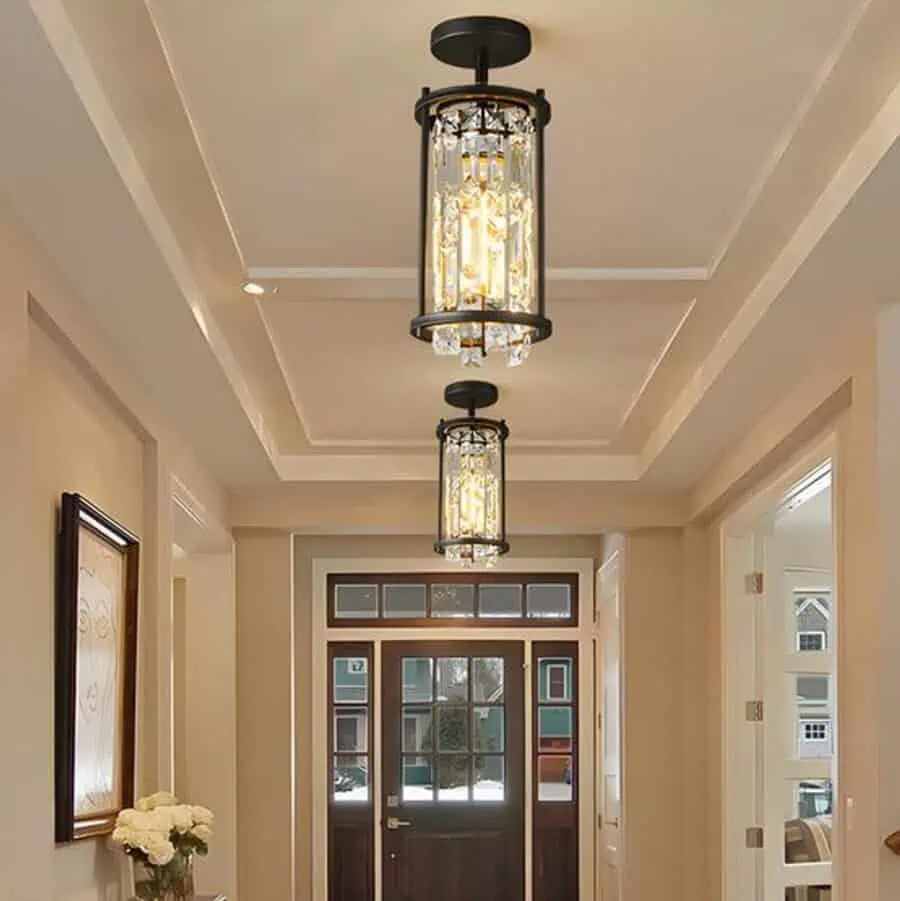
x=160, y=820
x=182, y=817
x=158, y=799
x=203, y=833
x=125, y=835
x=203, y=816
x=159, y=853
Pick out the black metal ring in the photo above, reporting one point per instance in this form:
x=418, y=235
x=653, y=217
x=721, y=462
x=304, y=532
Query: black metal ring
x=536, y=101
x=441, y=545
x=474, y=422
x=421, y=326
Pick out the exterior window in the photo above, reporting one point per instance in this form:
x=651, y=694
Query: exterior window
x=425, y=599
x=817, y=731
x=810, y=641
x=557, y=682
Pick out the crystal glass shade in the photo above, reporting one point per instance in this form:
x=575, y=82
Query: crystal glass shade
x=482, y=278
x=472, y=527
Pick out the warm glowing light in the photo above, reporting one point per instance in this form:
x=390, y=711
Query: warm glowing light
x=256, y=289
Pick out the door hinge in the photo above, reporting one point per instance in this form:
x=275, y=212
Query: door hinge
x=755, y=837
x=754, y=712
x=599, y=722
x=754, y=583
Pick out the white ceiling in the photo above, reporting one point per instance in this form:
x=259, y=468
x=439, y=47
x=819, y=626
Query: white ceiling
x=709, y=166
x=665, y=116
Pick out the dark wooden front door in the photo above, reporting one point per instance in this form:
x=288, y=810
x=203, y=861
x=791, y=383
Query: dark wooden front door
x=453, y=763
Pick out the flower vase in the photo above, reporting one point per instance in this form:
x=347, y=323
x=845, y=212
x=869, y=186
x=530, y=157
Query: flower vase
x=172, y=882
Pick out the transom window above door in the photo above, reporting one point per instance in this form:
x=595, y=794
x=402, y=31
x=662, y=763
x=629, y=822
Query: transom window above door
x=437, y=599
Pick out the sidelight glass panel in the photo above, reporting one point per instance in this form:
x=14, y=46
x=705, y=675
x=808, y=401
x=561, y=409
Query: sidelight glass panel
x=554, y=778
x=452, y=679
x=488, y=729
x=500, y=601
x=555, y=679
x=417, y=778
x=350, y=778
x=418, y=680
x=356, y=601
x=489, y=783
x=548, y=601
x=487, y=680
x=404, y=601
x=351, y=730
x=351, y=680
x=555, y=728
x=454, y=777
x=455, y=601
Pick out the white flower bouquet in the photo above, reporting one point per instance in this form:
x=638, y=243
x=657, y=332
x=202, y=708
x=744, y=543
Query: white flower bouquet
x=161, y=836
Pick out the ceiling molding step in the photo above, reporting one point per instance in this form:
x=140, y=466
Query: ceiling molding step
x=858, y=167
x=423, y=468
x=408, y=274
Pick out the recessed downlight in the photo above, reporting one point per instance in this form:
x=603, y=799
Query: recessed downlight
x=256, y=289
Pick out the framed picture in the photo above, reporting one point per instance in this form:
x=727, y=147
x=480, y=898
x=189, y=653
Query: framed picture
x=96, y=656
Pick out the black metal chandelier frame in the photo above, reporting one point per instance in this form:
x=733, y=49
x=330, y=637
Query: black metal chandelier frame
x=471, y=396
x=480, y=43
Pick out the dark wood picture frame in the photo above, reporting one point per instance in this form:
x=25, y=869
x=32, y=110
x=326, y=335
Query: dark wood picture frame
x=115, y=622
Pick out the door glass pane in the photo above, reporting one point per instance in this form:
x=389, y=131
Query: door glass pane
x=489, y=784
x=811, y=627
x=454, y=777
x=418, y=781
x=351, y=777
x=417, y=680
x=499, y=601
x=555, y=679
x=807, y=821
x=548, y=601
x=453, y=727
x=555, y=729
x=456, y=601
x=487, y=679
x=814, y=729
x=404, y=601
x=554, y=778
x=351, y=680
x=452, y=678
x=488, y=728
x=356, y=601
x=351, y=729
x=417, y=729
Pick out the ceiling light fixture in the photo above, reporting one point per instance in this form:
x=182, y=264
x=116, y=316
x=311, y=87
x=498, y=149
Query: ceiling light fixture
x=481, y=217
x=256, y=289
x=471, y=478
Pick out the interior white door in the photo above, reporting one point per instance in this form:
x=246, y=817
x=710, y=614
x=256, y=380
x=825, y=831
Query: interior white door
x=799, y=729
x=608, y=671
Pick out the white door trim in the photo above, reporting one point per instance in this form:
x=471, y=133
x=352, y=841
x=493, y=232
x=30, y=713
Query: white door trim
x=322, y=634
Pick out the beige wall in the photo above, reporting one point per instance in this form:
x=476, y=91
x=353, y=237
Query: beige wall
x=71, y=419
x=841, y=396
x=665, y=786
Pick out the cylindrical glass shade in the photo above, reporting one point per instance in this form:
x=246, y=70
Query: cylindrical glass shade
x=472, y=521
x=483, y=244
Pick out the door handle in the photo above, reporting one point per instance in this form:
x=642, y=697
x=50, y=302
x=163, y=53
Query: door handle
x=396, y=823
x=614, y=823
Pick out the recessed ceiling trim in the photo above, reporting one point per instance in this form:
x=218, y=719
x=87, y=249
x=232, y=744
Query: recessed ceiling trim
x=408, y=274
x=422, y=468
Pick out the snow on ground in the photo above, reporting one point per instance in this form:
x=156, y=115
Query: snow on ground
x=486, y=790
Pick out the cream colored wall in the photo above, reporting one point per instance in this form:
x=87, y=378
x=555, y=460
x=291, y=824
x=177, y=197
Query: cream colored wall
x=841, y=395
x=665, y=731
x=72, y=419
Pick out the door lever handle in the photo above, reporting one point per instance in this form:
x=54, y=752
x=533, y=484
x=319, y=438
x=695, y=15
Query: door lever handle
x=396, y=823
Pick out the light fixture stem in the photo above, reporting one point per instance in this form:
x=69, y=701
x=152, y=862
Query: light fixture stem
x=481, y=66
